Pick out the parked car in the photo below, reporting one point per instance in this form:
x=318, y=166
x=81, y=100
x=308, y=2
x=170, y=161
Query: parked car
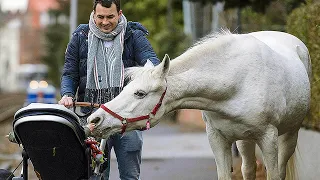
x=40, y=92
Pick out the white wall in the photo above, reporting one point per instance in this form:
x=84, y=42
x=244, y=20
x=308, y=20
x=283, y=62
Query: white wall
x=9, y=55
x=308, y=156
x=14, y=5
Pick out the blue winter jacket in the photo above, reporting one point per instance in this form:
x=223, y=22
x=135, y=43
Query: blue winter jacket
x=137, y=50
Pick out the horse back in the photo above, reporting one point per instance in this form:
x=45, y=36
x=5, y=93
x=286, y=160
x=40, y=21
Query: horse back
x=290, y=43
x=287, y=82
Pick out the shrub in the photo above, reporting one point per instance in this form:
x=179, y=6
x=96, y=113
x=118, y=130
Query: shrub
x=304, y=22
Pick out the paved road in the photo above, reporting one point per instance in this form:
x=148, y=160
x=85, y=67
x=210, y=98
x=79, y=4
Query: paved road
x=174, y=169
x=172, y=152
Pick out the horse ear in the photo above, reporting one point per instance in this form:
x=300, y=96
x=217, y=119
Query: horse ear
x=163, y=68
x=166, y=65
x=148, y=64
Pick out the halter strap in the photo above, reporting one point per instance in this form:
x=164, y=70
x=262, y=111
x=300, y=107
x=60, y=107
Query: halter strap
x=125, y=121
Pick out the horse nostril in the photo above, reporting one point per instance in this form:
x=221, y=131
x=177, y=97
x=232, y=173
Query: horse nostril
x=95, y=120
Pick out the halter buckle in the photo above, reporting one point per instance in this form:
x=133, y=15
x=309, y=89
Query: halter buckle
x=151, y=116
x=124, y=121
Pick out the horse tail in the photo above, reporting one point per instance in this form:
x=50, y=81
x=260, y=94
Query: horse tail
x=291, y=170
x=304, y=56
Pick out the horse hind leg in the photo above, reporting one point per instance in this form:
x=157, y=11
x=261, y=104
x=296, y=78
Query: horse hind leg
x=268, y=143
x=247, y=152
x=287, y=145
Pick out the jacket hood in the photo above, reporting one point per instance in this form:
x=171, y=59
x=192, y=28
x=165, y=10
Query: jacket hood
x=132, y=26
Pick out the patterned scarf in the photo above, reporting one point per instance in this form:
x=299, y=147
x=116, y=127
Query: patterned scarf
x=105, y=70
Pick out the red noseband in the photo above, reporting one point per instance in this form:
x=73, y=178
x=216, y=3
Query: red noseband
x=125, y=121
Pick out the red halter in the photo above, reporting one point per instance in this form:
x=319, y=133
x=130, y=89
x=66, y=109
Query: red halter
x=125, y=121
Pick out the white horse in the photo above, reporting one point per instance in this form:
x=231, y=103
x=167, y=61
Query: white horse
x=253, y=88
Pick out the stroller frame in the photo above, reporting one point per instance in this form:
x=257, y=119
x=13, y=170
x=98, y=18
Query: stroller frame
x=54, y=141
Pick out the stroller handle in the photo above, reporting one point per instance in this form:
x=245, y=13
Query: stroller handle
x=86, y=104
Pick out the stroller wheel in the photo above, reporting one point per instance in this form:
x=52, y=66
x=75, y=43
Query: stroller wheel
x=5, y=174
x=96, y=177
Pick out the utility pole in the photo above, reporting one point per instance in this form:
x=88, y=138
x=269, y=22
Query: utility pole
x=187, y=17
x=73, y=16
x=192, y=19
x=239, y=24
x=217, y=9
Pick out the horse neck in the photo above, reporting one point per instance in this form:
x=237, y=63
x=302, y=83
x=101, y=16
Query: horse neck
x=195, y=77
x=182, y=94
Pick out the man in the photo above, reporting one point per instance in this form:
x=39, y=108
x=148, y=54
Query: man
x=94, y=65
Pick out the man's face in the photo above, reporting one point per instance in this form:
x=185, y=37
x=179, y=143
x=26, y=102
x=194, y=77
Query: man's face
x=107, y=19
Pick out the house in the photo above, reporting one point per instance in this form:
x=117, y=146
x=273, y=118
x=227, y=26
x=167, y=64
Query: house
x=9, y=55
x=21, y=40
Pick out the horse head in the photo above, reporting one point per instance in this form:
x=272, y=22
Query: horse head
x=140, y=104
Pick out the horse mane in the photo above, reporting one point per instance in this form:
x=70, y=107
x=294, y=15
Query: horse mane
x=206, y=45
x=214, y=35
x=132, y=72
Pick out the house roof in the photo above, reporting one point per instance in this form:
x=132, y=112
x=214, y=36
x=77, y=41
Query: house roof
x=43, y=5
x=37, y=7
x=24, y=5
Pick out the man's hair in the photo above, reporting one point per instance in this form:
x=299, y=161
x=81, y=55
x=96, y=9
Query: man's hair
x=106, y=3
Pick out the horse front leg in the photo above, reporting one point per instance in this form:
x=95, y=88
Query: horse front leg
x=268, y=144
x=221, y=148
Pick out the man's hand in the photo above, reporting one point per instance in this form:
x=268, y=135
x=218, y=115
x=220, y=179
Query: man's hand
x=67, y=101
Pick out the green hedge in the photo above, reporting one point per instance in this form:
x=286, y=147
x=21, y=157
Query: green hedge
x=304, y=22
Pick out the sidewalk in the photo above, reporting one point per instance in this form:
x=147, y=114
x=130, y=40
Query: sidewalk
x=174, y=152
x=170, y=140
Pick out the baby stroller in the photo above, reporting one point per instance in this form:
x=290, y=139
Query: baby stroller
x=56, y=144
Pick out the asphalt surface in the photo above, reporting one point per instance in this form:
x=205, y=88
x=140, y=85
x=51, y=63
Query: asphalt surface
x=173, y=152
x=174, y=169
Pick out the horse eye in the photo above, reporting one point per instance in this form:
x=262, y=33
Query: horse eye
x=140, y=94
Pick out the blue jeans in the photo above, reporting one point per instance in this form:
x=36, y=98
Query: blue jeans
x=128, y=152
